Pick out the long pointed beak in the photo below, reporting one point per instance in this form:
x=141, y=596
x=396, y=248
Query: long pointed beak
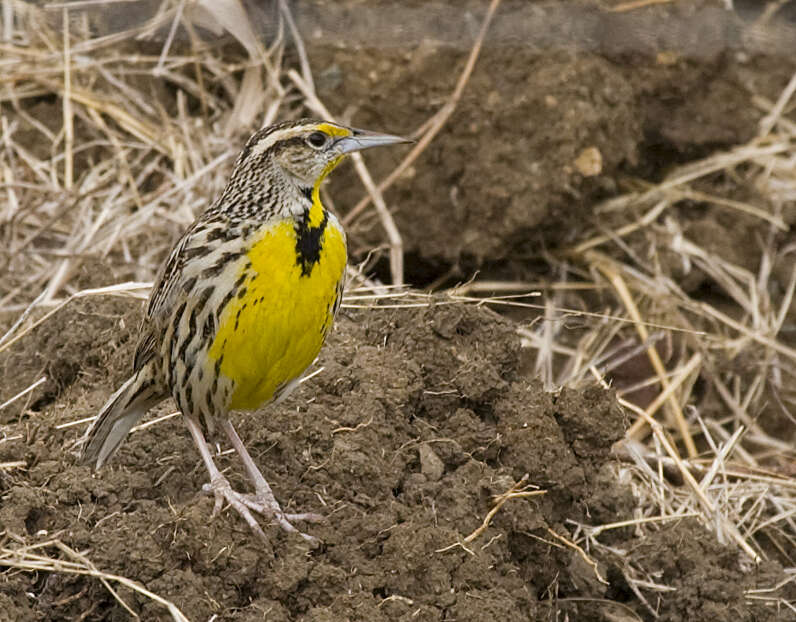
x=363, y=139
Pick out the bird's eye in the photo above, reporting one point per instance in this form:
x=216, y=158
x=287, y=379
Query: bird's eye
x=316, y=140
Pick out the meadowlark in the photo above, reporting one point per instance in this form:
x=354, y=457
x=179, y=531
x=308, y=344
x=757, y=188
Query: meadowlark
x=243, y=303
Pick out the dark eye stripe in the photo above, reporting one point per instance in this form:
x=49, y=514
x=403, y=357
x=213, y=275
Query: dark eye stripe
x=284, y=144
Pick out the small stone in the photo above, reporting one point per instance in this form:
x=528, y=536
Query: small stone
x=430, y=464
x=589, y=162
x=667, y=58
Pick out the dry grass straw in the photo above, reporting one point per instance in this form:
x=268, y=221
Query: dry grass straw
x=15, y=553
x=686, y=455
x=520, y=490
x=110, y=145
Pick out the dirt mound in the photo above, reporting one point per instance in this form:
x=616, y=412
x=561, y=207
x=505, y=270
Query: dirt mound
x=417, y=421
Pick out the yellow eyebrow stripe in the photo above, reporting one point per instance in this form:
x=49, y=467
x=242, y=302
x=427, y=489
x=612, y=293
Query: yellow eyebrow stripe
x=334, y=130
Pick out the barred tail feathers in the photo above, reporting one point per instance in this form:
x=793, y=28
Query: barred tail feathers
x=119, y=414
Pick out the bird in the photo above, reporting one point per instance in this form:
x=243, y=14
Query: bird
x=242, y=305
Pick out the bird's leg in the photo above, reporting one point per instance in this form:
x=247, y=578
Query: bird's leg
x=264, y=498
x=219, y=486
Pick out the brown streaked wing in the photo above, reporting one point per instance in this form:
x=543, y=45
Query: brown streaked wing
x=147, y=346
x=167, y=278
x=161, y=302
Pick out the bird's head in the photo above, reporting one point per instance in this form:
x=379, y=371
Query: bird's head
x=299, y=154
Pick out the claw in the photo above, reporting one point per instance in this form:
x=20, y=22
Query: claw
x=263, y=502
x=221, y=489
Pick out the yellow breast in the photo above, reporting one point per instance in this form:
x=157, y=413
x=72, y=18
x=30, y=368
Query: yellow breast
x=271, y=332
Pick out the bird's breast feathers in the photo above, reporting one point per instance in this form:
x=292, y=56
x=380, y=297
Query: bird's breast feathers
x=283, y=305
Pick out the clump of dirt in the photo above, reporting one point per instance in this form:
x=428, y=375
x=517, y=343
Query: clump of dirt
x=481, y=176
x=702, y=571
x=568, y=105
x=63, y=350
x=419, y=418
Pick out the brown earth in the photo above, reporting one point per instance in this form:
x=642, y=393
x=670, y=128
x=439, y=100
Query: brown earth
x=420, y=416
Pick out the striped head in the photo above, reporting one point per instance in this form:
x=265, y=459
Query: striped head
x=282, y=166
